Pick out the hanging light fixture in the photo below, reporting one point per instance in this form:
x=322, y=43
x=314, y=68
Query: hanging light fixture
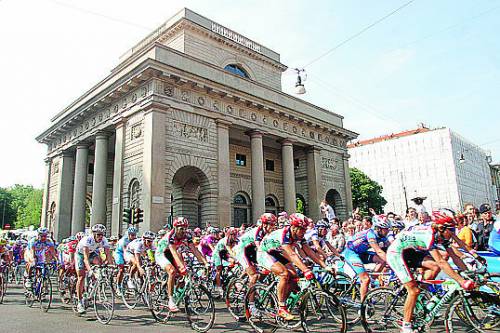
x=462, y=159
x=299, y=85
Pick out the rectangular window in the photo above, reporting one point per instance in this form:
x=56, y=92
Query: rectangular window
x=269, y=165
x=296, y=163
x=91, y=169
x=241, y=160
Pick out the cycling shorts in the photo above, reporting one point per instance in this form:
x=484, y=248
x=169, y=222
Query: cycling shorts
x=397, y=263
x=247, y=256
x=79, y=262
x=268, y=259
x=355, y=260
x=414, y=258
x=119, y=259
x=128, y=257
x=217, y=257
x=163, y=259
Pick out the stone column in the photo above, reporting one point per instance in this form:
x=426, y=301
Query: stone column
x=258, y=190
x=62, y=223
x=99, y=182
x=288, y=175
x=348, y=189
x=314, y=182
x=46, y=190
x=80, y=189
x=153, y=189
x=224, y=177
x=117, y=208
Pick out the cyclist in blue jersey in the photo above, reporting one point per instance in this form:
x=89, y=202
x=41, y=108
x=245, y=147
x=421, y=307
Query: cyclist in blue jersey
x=357, y=251
x=119, y=255
x=39, y=250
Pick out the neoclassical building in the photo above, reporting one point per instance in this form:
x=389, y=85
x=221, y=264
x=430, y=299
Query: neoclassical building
x=192, y=122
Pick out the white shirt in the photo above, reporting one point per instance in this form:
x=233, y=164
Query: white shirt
x=329, y=213
x=90, y=243
x=138, y=246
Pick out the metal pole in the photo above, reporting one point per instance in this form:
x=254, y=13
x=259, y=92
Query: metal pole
x=404, y=190
x=3, y=214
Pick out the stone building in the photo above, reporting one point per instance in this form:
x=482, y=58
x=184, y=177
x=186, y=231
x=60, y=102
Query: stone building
x=192, y=122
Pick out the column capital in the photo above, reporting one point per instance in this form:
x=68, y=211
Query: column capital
x=120, y=122
x=222, y=122
x=82, y=145
x=102, y=134
x=66, y=153
x=286, y=141
x=313, y=149
x=254, y=133
x=47, y=160
x=346, y=157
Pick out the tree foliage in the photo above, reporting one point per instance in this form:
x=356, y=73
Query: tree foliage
x=366, y=193
x=23, y=206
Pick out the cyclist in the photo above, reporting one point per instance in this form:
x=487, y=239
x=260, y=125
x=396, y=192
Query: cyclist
x=17, y=251
x=208, y=242
x=40, y=249
x=87, y=253
x=357, y=251
x=277, y=254
x=169, y=259
x=118, y=255
x=317, y=241
x=282, y=219
x=223, y=251
x=5, y=252
x=423, y=238
x=136, y=249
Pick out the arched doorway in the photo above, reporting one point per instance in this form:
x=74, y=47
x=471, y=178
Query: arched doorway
x=51, y=214
x=190, y=195
x=300, y=206
x=272, y=204
x=334, y=199
x=241, y=209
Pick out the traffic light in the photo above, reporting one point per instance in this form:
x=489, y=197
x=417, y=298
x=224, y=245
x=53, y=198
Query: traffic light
x=127, y=216
x=138, y=215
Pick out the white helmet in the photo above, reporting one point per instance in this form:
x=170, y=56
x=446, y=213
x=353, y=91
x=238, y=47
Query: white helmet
x=148, y=235
x=99, y=228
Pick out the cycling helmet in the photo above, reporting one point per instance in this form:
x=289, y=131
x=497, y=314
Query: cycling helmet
x=380, y=221
x=113, y=238
x=99, y=228
x=80, y=235
x=72, y=238
x=321, y=224
x=43, y=231
x=444, y=217
x=162, y=233
x=132, y=231
x=180, y=221
x=298, y=220
x=19, y=242
x=197, y=230
x=283, y=214
x=397, y=224
x=3, y=241
x=268, y=218
x=148, y=235
x=212, y=230
x=232, y=231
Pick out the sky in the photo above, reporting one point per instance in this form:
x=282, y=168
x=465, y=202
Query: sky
x=435, y=62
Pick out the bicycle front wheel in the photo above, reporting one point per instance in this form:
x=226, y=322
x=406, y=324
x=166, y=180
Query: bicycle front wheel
x=45, y=294
x=104, y=302
x=322, y=312
x=200, y=308
x=381, y=310
x=261, y=313
x=3, y=288
x=235, y=298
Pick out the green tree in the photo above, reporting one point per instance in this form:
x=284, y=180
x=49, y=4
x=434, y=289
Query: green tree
x=26, y=203
x=7, y=213
x=366, y=193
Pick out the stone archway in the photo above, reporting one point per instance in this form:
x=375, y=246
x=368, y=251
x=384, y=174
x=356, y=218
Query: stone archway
x=241, y=209
x=301, y=205
x=51, y=214
x=272, y=204
x=191, y=195
x=334, y=199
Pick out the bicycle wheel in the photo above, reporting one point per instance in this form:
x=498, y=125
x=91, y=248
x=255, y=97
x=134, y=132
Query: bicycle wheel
x=262, y=317
x=3, y=288
x=159, y=303
x=200, y=308
x=478, y=311
x=45, y=294
x=351, y=300
x=235, y=298
x=322, y=312
x=129, y=295
x=19, y=272
x=381, y=310
x=104, y=302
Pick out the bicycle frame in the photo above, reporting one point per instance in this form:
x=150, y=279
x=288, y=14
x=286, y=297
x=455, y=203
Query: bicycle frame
x=41, y=270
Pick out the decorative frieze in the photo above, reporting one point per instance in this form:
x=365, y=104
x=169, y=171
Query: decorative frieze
x=187, y=131
x=329, y=163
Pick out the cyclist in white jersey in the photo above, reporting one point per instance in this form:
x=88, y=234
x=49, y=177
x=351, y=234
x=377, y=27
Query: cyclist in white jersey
x=87, y=253
x=423, y=238
x=137, y=248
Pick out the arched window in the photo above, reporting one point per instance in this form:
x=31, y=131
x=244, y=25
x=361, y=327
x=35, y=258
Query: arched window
x=236, y=69
x=241, y=210
x=271, y=205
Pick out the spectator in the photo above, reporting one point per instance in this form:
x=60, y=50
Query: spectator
x=464, y=232
x=411, y=217
x=366, y=223
x=484, y=226
x=327, y=211
x=336, y=239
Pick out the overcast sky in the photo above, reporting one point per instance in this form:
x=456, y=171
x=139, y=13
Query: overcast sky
x=436, y=62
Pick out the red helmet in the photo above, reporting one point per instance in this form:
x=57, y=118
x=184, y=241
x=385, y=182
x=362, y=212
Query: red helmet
x=232, y=231
x=180, y=221
x=268, y=218
x=444, y=217
x=298, y=220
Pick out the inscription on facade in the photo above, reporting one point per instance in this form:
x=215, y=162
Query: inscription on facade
x=329, y=163
x=188, y=131
x=235, y=37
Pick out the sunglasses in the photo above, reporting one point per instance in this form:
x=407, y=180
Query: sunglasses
x=99, y=235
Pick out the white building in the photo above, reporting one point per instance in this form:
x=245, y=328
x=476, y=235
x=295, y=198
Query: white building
x=435, y=163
